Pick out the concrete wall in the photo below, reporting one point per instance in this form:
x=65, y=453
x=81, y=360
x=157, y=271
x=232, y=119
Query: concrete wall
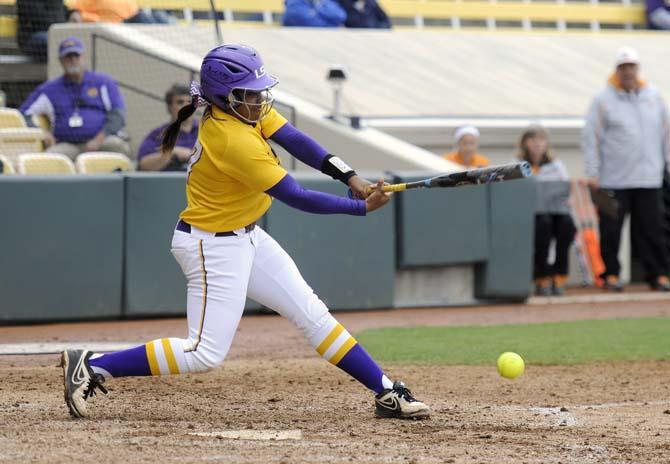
x=62, y=247
x=90, y=247
x=508, y=270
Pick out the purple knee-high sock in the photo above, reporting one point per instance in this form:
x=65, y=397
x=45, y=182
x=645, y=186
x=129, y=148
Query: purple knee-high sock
x=131, y=362
x=360, y=365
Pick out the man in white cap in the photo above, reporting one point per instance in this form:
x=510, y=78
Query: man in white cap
x=626, y=143
x=466, y=139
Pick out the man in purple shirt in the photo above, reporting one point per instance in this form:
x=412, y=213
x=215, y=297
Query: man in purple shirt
x=149, y=156
x=658, y=14
x=85, y=108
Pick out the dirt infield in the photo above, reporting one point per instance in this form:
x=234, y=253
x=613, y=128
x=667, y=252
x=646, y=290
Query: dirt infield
x=581, y=414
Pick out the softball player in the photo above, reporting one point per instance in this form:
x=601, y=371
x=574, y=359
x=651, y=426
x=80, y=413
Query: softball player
x=233, y=175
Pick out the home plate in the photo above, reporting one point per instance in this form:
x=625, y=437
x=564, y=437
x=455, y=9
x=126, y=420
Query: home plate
x=253, y=434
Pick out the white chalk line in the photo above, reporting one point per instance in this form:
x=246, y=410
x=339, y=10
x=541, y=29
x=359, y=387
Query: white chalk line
x=7, y=349
x=295, y=434
x=621, y=405
x=562, y=416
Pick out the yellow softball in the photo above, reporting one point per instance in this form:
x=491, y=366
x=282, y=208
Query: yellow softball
x=510, y=365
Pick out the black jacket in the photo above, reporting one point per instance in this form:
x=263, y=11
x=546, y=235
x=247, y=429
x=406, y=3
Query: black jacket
x=371, y=16
x=38, y=15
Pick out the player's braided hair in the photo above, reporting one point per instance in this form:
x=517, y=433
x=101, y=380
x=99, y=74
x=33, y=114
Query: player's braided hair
x=171, y=134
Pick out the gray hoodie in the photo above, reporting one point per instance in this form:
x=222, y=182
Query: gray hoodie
x=626, y=138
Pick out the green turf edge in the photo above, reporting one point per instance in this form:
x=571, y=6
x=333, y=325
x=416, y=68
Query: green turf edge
x=562, y=343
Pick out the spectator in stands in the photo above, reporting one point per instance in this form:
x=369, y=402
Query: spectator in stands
x=117, y=11
x=365, y=14
x=313, y=13
x=85, y=108
x=34, y=19
x=467, y=142
x=149, y=155
x=658, y=14
x=626, y=143
x=552, y=216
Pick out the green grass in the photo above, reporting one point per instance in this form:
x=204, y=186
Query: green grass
x=557, y=343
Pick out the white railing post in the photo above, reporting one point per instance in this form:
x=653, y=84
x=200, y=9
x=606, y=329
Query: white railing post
x=526, y=23
x=455, y=20
x=560, y=22
x=629, y=25
x=188, y=15
x=595, y=24
x=418, y=21
x=228, y=15
x=491, y=21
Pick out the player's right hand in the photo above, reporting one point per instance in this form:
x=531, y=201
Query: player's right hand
x=378, y=197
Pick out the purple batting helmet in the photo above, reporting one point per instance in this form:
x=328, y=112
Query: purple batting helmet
x=229, y=67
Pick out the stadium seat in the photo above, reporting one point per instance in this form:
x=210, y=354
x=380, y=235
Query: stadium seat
x=15, y=141
x=44, y=163
x=8, y=26
x=99, y=162
x=9, y=117
x=7, y=166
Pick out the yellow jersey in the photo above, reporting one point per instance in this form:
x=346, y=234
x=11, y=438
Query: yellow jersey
x=231, y=168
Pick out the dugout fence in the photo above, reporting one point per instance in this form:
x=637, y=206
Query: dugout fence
x=97, y=247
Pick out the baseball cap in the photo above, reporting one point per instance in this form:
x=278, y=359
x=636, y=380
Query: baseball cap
x=70, y=45
x=627, y=55
x=465, y=130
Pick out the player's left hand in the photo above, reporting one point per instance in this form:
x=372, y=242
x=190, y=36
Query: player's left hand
x=378, y=197
x=359, y=187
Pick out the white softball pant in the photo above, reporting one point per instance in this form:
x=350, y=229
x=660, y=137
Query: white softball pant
x=221, y=272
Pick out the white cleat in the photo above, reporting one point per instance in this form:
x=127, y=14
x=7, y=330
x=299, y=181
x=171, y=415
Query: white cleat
x=79, y=380
x=398, y=402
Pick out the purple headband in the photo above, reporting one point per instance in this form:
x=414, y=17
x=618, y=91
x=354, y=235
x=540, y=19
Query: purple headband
x=195, y=94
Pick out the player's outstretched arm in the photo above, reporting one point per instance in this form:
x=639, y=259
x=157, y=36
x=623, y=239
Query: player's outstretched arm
x=289, y=191
x=310, y=152
x=300, y=145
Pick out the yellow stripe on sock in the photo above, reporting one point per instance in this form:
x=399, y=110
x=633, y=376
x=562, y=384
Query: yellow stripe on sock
x=169, y=355
x=344, y=349
x=325, y=344
x=151, y=356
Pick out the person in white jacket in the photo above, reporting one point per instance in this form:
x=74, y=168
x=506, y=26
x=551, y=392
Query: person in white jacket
x=626, y=143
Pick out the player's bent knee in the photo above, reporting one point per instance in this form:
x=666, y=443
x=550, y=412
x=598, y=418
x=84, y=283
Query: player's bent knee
x=203, y=360
x=316, y=324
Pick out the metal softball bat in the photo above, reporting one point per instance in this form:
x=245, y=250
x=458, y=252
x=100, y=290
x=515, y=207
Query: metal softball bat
x=477, y=176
